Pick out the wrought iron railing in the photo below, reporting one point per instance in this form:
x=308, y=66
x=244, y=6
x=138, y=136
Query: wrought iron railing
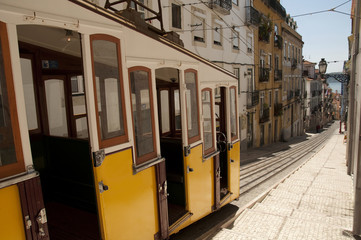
x=252, y=99
x=264, y=117
x=278, y=75
x=252, y=16
x=278, y=109
x=223, y=6
x=263, y=74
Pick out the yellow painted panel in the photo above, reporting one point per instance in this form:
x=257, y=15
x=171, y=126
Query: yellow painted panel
x=129, y=207
x=199, y=185
x=11, y=218
x=234, y=170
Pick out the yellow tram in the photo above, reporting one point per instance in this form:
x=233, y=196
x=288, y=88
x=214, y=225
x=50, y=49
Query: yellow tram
x=108, y=132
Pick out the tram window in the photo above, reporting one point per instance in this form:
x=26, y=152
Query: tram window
x=192, y=106
x=11, y=158
x=29, y=93
x=177, y=111
x=55, y=102
x=207, y=114
x=233, y=112
x=164, y=97
x=108, y=84
x=142, y=110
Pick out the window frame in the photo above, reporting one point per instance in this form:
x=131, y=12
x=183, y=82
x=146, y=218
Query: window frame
x=180, y=15
x=197, y=137
x=213, y=148
x=148, y=157
x=236, y=112
x=104, y=143
x=19, y=166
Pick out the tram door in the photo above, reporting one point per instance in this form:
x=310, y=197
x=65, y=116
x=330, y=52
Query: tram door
x=221, y=171
x=57, y=124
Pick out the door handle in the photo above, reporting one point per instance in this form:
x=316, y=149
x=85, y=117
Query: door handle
x=232, y=161
x=102, y=187
x=189, y=169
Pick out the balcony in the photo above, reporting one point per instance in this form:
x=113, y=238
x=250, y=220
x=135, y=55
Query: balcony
x=252, y=16
x=278, y=42
x=222, y=6
x=252, y=99
x=276, y=6
x=293, y=63
x=278, y=110
x=264, y=115
x=290, y=95
x=263, y=74
x=278, y=75
x=264, y=33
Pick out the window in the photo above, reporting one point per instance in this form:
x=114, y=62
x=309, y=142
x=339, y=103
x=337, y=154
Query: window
x=192, y=105
x=270, y=98
x=285, y=51
x=176, y=16
x=198, y=22
x=29, y=93
x=289, y=51
x=237, y=73
x=139, y=9
x=164, y=102
x=11, y=155
x=235, y=2
x=109, y=90
x=207, y=113
x=276, y=62
x=217, y=33
x=142, y=113
x=235, y=40
x=249, y=44
x=233, y=108
x=79, y=106
x=270, y=61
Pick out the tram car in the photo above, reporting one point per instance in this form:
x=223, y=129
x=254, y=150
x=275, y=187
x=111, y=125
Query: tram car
x=108, y=130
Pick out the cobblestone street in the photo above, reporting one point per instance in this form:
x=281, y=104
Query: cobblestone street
x=316, y=202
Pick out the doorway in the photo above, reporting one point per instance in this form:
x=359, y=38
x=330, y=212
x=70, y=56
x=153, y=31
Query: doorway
x=57, y=122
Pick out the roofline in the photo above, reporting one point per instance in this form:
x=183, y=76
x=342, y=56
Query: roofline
x=119, y=19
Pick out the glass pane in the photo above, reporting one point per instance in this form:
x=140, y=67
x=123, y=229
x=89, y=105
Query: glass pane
x=164, y=99
x=177, y=111
x=108, y=89
x=81, y=127
x=79, y=104
x=207, y=120
x=192, y=104
x=142, y=115
x=7, y=146
x=55, y=103
x=29, y=94
x=233, y=113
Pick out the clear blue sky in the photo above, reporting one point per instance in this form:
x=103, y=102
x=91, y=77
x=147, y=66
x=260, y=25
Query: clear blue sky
x=324, y=34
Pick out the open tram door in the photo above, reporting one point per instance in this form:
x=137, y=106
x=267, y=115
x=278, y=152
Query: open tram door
x=227, y=164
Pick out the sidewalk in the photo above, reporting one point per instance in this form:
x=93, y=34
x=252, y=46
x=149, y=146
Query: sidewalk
x=316, y=202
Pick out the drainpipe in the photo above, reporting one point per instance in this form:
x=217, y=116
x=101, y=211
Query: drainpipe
x=357, y=210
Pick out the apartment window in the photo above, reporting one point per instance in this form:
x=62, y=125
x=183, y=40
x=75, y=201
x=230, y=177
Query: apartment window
x=176, y=16
x=276, y=96
x=108, y=85
x=217, y=32
x=235, y=40
x=285, y=50
x=289, y=52
x=276, y=62
x=270, y=61
x=236, y=73
x=198, y=22
x=270, y=98
x=249, y=44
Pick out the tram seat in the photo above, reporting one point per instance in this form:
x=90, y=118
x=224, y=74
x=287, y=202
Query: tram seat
x=171, y=150
x=69, y=172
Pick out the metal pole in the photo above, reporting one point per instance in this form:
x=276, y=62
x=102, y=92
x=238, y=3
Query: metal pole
x=357, y=211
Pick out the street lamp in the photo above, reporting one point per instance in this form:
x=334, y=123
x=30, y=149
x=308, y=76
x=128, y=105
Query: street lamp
x=322, y=66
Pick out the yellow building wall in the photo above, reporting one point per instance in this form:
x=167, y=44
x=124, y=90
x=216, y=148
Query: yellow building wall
x=11, y=218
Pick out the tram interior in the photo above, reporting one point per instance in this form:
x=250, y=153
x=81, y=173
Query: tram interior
x=57, y=121
x=169, y=112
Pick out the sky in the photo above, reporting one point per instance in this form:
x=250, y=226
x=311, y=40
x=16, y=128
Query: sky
x=324, y=34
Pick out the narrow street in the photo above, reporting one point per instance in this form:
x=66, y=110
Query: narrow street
x=261, y=171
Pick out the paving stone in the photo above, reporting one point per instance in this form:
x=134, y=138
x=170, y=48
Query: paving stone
x=345, y=222
x=275, y=210
x=226, y=234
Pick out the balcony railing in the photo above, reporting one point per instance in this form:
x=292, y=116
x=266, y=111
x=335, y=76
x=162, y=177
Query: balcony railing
x=222, y=6
x=263, y=74
x=276, y=6
x=278, y=110
x=264, y=117
x=252, y=99
x=278, y=75
x=252, y=16
x=263, y=33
